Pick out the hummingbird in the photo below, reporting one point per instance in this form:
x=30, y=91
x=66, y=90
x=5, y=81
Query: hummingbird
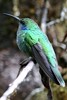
x=34, y=42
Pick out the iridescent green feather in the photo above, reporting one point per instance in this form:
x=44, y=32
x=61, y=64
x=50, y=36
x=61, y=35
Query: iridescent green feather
x=33, y=35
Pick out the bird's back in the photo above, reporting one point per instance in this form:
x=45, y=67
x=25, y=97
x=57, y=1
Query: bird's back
x=37, y=36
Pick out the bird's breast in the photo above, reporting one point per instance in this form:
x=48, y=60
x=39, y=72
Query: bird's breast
x=20, y=41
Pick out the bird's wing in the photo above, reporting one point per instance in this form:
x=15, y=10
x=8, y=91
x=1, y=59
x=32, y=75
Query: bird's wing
x=40, y=57
x=50, y=54
x=45, y=56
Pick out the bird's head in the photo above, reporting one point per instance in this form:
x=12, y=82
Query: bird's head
x=24, y=23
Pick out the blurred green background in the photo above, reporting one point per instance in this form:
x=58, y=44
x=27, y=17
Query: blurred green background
x=10, y=56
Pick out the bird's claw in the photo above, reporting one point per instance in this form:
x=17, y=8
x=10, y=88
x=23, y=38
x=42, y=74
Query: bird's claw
x=25, y=61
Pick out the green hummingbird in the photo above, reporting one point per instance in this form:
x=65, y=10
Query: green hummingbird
x=33, y=41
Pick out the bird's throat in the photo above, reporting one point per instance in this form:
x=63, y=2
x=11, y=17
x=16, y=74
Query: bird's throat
x=23, y=27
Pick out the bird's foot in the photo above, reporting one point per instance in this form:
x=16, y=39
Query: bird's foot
x=26, y=61
x=49, y=95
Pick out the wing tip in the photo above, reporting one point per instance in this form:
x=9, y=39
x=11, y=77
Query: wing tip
x=63, y=84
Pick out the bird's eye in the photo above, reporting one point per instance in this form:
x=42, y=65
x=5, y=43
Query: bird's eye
x=22, y=22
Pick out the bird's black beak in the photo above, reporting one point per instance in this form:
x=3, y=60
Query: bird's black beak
x=15, y=17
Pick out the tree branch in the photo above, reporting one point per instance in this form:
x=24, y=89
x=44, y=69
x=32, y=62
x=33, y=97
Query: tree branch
x=13, y=86
x=44, y=17
x=63, y=16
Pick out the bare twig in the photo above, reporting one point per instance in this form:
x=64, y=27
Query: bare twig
x=64, y=37
x=44, y=17
x=53, y=22
x=62, y=17
x=17, y=81
x=15, y=7
x=58, y=44
x=55, y=41
x=43, y=21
